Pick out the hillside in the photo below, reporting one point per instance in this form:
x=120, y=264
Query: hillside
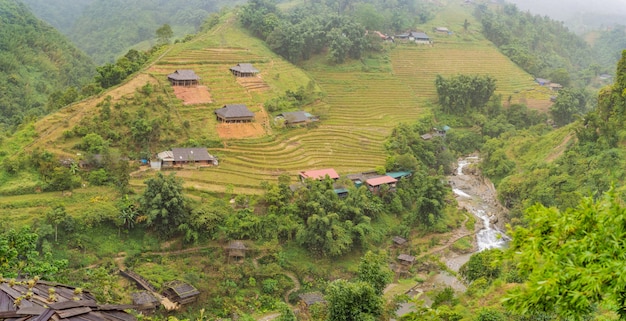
x=363, y=101
x=35, y=60
x=105, y=30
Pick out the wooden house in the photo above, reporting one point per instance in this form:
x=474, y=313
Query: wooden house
x=375, y=184
x=180, y=292
x=179, y=157
x=294, y=118
x=311, y=298
x=555, y=87
x=399, y=241
x=184, y=77
x=406, y=259
x=244, y=70
x=236, y=251
x=30, y=300
x=234, y=114
x=319, y=174
x=145, y=302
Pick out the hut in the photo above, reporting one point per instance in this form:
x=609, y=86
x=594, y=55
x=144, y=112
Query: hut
x=145, y=302
x=311, y=298
x=319, y=174
x=406, y=259
x=399, y=241
x=244, y=70
x=236, y=250
x=375, y=184
x=184, y=77
x=26, y=300
x=234, y=114
x=180, y=292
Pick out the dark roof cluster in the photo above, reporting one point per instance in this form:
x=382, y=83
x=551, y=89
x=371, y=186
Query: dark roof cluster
x=25, y=300
x=245, y=68
x=182, y=289
x=191, y=154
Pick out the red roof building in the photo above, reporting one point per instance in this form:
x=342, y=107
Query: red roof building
x=374, y=184
x=319, y=174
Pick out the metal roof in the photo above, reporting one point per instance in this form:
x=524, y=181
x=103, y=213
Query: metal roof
x=295, y=117
x=191, y=154
x=183, y=74
x=406, y=257
x=380, y=180
x=320, y=174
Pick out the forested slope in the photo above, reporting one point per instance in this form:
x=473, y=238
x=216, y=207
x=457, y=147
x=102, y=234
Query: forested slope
x=35, y=60
x=105, y=29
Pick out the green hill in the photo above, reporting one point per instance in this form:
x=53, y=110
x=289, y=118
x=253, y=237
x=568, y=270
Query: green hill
x=35, y=60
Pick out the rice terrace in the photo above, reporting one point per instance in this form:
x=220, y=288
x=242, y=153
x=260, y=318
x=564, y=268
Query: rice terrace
x=361, y=102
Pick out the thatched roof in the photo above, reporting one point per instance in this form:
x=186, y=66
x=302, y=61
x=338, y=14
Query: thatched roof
x=245, y=68
x=36, y=303
x=234, y=111
x=236, y=245
x=399, y=240
x=183, y=74
x=406, y=258
x=144, y=298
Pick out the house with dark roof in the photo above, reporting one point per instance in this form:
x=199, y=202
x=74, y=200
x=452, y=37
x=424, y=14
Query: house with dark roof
x=184, y=77
x=244, y=70
x=294, y=118
x=311, y=298
x=234, y=114
x=180, y=292
x=36, y=300
x=419, y=38
x=375, y=184
x=319, y=174
x=406, y=259
x=179, y=157
x=399, y=241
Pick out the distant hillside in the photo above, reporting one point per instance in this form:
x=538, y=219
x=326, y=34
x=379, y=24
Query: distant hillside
x=35, y=60
x=106, y=29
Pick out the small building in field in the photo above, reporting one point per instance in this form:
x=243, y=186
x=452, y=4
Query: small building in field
x=442, y=30
x=319, y=174
x=295, y=118
x=311, y=298
x=236, y=251
x=184, y=77
x=406, y=259
x=375, y=184
x=542, y=82
x=399, y=241
x=244, y=70
x=145, y=301
x=419, y=38
x=555, y=87
x=179, y=157
x=234, y=114
x=180, y=292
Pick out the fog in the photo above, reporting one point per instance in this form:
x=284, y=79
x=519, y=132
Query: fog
x=567, y=9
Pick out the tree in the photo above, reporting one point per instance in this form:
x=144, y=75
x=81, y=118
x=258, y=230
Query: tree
x=163, y=204
x=459, y=94
x=568, y=103
x=353, y=301
x=374, y=270
x=164, y=34
x=574, y=259
x=56, y=216
x=19, y=256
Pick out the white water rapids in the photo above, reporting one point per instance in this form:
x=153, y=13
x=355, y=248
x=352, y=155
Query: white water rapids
x=489, y=236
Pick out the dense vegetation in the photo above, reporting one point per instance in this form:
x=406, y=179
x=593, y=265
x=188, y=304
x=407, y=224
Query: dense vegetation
x=105, y=30
x=541, y=46
x=35, y=61
x=336, y=26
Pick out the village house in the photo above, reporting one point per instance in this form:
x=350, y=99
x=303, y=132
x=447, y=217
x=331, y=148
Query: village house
x=319, y=174
x=180, y=292
x=244, y=70
x=414, y=36
x=443, y=30
x=375, y=184
x=311, y=298
x=406, y=259
x=53, y=301
x=234, y=114
x=179, y=157
x=184, y=77
x=294, y=118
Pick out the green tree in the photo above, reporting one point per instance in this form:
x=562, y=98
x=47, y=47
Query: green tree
x=353, y=301
x=164, y=34
x=163, y=204
x=56, y=216
x=569, y=102
x=574, y=259
x=374, y=270
x=19, y=256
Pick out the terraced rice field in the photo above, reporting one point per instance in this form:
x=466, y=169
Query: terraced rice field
x=418, y=67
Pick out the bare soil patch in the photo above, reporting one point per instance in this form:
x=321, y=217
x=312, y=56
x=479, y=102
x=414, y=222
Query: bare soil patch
x=257, y=128
x=542, y=105
x=193, y=95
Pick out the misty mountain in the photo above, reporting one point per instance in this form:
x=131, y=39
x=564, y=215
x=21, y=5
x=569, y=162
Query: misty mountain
x=106, y=29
